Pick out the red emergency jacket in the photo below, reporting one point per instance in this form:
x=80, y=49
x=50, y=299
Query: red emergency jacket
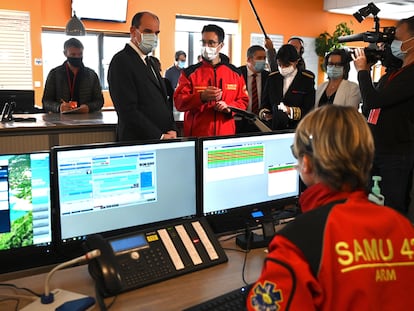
x=343, y=253
x=201, y=119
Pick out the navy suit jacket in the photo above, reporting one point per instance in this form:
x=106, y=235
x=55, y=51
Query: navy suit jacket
x=140, y=99
x=301, y=94
x=265, y=74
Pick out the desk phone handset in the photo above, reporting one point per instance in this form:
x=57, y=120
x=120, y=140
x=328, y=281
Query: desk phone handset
x=141, y=258
x=105, y=269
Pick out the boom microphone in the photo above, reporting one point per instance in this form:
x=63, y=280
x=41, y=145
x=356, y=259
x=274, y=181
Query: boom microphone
x=258, y=19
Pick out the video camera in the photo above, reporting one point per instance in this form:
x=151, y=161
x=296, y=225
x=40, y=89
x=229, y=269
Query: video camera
x=374, y=51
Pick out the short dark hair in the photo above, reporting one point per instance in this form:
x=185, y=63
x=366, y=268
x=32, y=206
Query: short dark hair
x=410, y=23
x=216, y=29
x=72, y=42
x=345, y=60
x=136, y=20
x=286, y=54
x=179, y=53
x=253, y=49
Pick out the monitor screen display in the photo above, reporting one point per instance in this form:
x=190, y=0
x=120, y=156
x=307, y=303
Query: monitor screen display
x=246, y=177
x=24, y=100
x=25, y=211
x=105, y=10
x=112, y=187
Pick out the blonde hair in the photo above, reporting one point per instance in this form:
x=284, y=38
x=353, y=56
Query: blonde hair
x=340, y=145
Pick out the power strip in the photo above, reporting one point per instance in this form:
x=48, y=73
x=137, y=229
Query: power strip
x=63, y=301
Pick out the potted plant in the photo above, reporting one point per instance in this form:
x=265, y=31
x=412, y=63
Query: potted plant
x=327, y=42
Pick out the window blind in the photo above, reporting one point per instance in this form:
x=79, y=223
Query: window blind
x=15, y=51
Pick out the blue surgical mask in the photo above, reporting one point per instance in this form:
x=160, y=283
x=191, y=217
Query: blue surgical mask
x=259, y=65
x=396, y=49
x=181, y=64
x=334, y=72
x=149, y=42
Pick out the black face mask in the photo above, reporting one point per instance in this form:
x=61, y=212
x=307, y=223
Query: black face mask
x=75, y=61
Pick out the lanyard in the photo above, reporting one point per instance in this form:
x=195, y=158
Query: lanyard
x=70, y=81
x=394, y=74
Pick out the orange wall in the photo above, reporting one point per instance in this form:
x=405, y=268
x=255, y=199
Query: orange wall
x=287, y=18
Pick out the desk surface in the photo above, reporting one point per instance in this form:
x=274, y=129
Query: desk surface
x=60, y=121
x=173, y=294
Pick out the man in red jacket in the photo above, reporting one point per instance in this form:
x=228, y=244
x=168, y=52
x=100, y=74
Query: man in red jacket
x=344, y=252
x=207, y=89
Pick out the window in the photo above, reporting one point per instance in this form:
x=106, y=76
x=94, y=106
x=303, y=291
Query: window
x=98, y=51
x=15, y=51
x=189, y=40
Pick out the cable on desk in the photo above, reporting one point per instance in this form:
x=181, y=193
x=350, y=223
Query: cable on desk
x=100, y=299
x=20, y=288
x=33, y=298
x=245, y=256
x=12, y=299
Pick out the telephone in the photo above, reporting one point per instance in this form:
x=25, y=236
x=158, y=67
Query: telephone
x=141, y=258
x=106, y=270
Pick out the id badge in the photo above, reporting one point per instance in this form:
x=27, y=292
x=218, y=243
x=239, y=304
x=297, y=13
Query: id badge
x=373, y=116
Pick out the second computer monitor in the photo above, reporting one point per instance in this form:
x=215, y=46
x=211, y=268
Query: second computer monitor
x=25, y=211
x=244, y=178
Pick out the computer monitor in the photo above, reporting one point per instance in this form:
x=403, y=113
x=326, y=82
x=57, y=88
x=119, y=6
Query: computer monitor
x=246, y=178
x=115, y=188
x=23, y=99
x=25, y=211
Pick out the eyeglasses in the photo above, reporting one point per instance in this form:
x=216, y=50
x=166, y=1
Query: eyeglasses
x=209, y=43
x=308, y=148
x=335, y=64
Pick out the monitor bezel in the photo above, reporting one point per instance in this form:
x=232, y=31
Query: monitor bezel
x=33, y=256
x=73, y=248
x=239, y=218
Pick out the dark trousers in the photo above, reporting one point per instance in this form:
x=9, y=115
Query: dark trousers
x=396, y=172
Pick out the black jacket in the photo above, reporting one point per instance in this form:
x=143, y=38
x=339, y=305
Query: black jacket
x=394, y=95
x=139, y=98
x=57, y=88
x=301, y=94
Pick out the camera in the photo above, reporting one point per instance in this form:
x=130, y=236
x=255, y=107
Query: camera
x=375, y=51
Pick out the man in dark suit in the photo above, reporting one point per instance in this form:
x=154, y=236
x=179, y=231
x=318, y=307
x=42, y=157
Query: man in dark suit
x=136, y=87
x=289, y=92
x=253, y=70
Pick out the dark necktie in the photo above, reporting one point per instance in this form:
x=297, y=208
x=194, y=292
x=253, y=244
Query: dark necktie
x=151, y=68
x=255, y=97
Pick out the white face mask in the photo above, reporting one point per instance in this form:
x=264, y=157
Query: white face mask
x=286, y=71
x=209, y=53
x=181, y=64
x=149, y=42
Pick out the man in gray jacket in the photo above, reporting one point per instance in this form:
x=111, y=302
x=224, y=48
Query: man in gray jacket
x=72, y=87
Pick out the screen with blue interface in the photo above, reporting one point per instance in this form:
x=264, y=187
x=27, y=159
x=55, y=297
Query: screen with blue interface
x=25, y=208
x=242, y=171
x=110, y=187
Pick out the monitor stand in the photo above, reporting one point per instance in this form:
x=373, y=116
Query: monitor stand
x=251, y=240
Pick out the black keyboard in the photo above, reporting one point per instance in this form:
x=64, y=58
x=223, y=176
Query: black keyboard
x=231, y=301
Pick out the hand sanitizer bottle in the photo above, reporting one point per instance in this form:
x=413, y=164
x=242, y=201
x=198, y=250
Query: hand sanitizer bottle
x=375, y=195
